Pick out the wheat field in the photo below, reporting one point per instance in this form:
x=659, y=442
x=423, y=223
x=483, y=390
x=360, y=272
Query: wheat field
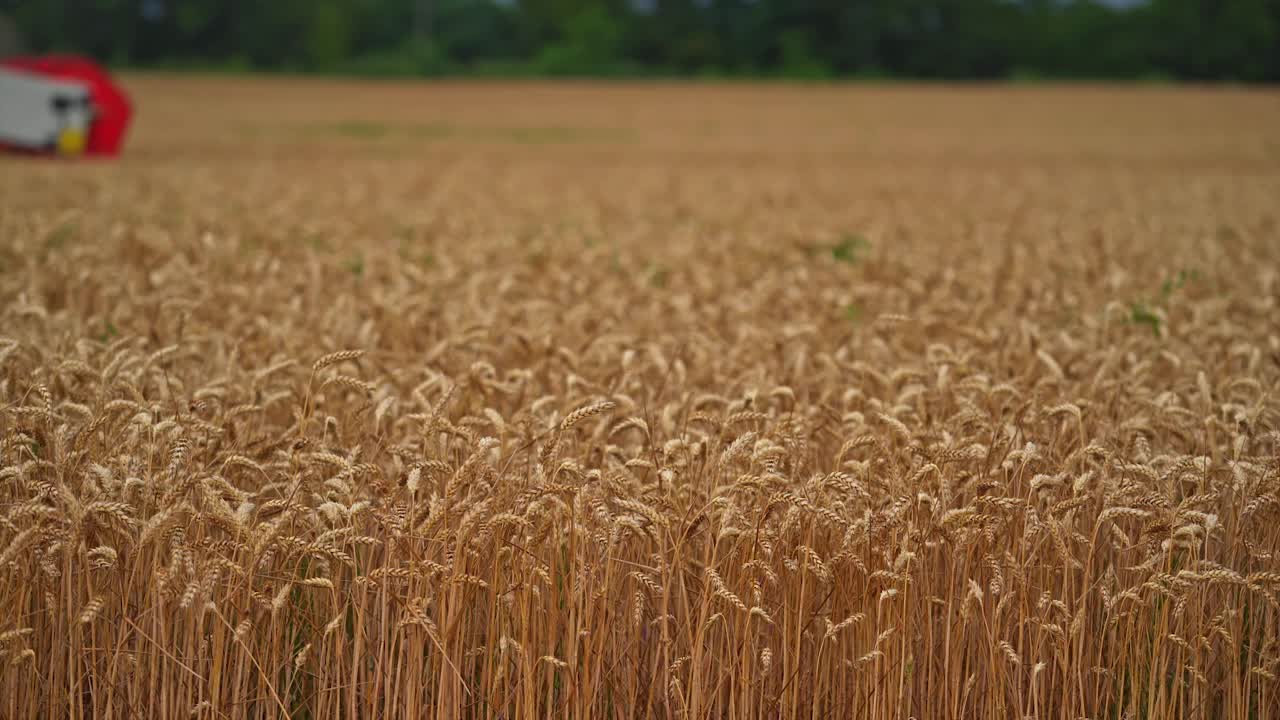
x=335, y=400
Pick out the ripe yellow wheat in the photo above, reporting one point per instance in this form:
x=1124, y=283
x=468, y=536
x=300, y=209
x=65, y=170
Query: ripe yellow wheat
x=820, y=402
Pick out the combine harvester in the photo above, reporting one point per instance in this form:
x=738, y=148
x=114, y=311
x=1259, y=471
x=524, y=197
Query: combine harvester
x=61, y=105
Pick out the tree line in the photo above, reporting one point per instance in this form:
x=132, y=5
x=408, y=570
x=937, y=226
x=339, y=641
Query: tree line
x=1198, y=40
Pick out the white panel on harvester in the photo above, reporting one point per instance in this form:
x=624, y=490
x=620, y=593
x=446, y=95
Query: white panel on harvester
x=42, y=113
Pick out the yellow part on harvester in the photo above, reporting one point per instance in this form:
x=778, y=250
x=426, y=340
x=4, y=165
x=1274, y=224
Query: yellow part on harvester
x=71, y=142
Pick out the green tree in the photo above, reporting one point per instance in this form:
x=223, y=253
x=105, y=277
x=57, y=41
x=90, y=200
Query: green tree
x=327, y=35
x=590, y=45
x=798, y=58
x=1205, y=39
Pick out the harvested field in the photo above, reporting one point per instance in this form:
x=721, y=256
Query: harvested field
x=466, y=400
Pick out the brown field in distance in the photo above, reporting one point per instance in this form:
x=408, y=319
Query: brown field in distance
x=661, y=401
